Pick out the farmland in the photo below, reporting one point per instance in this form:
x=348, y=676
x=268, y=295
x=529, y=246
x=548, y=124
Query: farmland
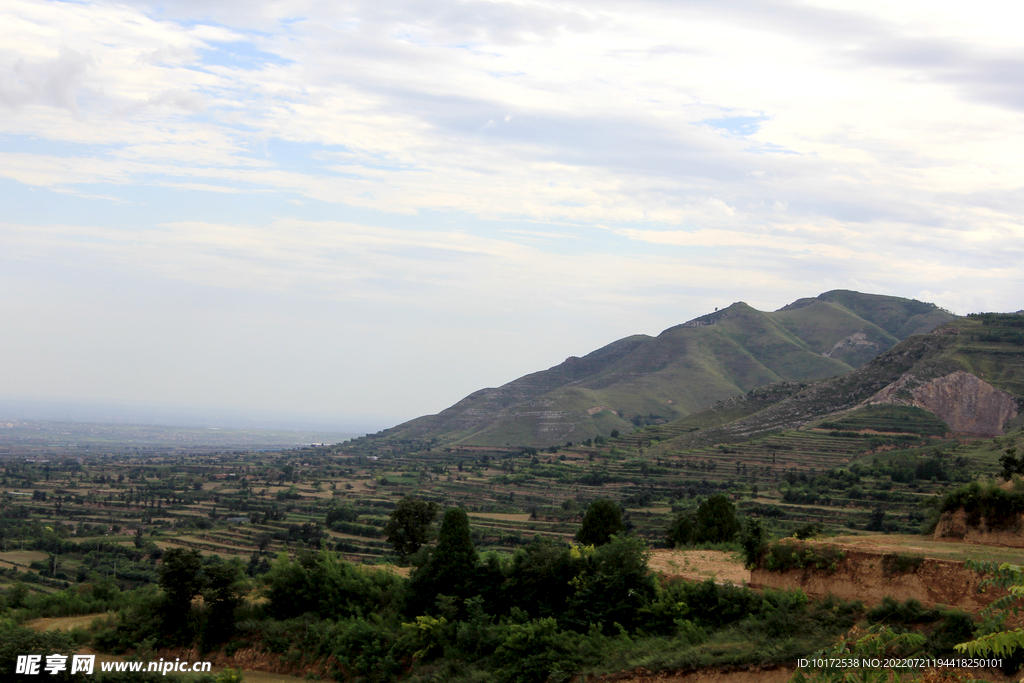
x=85, y=534
x=83, y=515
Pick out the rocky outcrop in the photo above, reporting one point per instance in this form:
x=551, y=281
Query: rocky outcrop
x=968, y=404
x=857, y=339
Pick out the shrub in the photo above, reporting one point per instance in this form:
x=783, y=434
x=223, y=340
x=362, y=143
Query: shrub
x=895, y=564
x=788, y=554
x=754, y=541
x=999, y=508
x=535, y=652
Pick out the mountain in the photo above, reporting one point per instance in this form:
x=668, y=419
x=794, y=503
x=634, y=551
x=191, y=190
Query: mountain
x=969, y=373
x=642, y=380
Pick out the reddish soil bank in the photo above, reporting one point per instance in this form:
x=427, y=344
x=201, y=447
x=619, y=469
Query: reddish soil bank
x=861, y=576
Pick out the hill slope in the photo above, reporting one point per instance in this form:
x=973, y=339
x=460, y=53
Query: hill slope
x=968, y=372
x=643, y=379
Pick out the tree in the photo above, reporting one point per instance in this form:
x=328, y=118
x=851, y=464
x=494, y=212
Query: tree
x=998, y=641
x=682, y=530
x=451, y=568
x=222, y=594
x=602, y=520
x=716, y=520
x=1011, y=464
x=455, y=547
x=614, y=587
x=409, y=525
x=877, y=520
x=754, y=540
x=540, y=578
x=180, y=581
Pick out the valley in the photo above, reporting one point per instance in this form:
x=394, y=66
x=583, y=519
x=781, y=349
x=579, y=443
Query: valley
x=859, y=463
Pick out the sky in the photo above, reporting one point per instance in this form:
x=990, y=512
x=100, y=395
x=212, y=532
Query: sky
x=354, y=213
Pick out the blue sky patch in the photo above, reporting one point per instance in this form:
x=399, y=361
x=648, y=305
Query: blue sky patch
x=737, y=125
x=239, y=55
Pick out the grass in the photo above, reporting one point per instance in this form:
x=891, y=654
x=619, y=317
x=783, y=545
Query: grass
x=63, y=623
x=890, y=419
x=23, y=557
x=942, y=550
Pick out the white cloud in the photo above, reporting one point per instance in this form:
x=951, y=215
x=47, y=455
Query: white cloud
x=772, y=147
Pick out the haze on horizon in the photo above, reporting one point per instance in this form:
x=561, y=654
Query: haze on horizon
x=358, y=213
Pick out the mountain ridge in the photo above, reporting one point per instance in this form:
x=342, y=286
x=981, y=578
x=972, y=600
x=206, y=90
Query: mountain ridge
x=969, y=374
x=642, y=379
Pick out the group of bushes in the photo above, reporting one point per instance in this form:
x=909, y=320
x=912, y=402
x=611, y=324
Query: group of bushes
x=999, y=508
x=788, y=554
x=548, y=611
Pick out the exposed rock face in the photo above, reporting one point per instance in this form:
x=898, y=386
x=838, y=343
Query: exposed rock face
x=967, y=404
x=855, y=339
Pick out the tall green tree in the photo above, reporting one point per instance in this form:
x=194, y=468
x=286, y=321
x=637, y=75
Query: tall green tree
x=682, y=530
x=602, y=520
x=451, y=568
x=181, y=581
x=716, y=520
x=222, y=594
x=754, y=540
x=409, y=525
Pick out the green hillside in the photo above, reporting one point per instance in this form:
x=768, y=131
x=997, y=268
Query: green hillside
x=644, y=380
x=988, y=346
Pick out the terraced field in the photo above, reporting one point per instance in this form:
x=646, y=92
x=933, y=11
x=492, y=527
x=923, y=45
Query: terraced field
x=252, y=506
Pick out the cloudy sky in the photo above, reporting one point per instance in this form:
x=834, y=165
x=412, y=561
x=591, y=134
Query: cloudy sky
x=359, y=212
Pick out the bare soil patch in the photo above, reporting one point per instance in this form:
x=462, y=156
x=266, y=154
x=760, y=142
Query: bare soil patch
x=510, y=517
x=700, y=565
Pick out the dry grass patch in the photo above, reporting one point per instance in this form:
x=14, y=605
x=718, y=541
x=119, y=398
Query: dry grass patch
x=700, y=565
x=11, y=565
x=925, y=545
x=23, y=556
x=64, y=623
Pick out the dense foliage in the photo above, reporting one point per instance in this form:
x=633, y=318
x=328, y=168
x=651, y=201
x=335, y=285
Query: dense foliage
x=998, y=507
x=544, y=613
x=714, y=521
x=602, y=520
x=788, y=554
x=409, y=525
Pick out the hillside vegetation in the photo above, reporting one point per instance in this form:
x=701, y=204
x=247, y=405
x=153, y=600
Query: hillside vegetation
x=643, y=380
x=979, y=346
